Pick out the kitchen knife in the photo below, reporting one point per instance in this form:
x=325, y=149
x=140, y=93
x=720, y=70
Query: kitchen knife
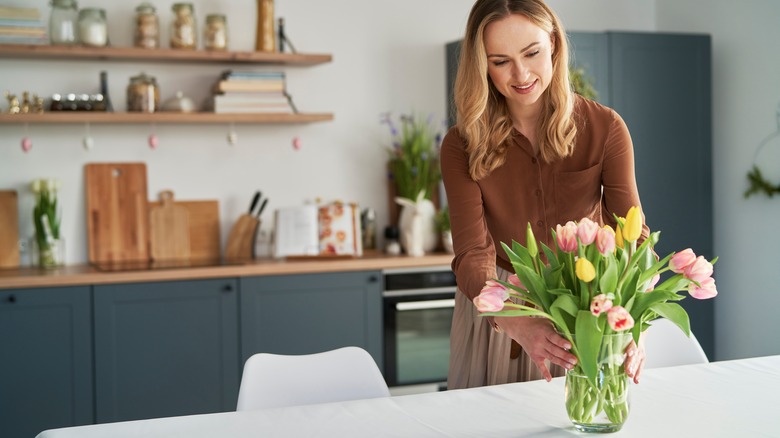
x=262, y=207
x=255, y=199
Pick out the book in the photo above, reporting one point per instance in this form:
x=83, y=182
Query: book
x=13, y=12
x=224, y=86
x=23, y=31
x=251, y=98
x=246, y=74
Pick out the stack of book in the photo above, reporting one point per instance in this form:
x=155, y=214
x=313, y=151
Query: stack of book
x=251, y=92
x=20, y=25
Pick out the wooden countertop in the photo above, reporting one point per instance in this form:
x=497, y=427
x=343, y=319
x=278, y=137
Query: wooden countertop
x=88, y=275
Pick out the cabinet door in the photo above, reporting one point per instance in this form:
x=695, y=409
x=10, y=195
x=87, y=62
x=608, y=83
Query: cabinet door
x=661, y=85
x=303, y=314
x=45, y=360
x=166, y=349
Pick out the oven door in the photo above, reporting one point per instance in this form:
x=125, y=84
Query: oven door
x=417, y=334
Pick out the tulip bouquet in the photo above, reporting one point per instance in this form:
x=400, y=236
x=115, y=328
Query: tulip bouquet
x=600, y=289
x=46, y=218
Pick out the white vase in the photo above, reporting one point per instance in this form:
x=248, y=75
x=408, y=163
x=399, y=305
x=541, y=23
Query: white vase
x=446, y=241
x=417, y=224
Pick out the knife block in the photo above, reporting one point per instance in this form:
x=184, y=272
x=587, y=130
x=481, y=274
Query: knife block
x=241, y=240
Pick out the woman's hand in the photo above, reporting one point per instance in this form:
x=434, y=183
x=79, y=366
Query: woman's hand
x=540, y=341
x=635, y=358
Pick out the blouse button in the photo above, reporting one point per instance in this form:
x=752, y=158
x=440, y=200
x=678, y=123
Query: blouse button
x=540, y=223
x=533, y=160
x=538, y=192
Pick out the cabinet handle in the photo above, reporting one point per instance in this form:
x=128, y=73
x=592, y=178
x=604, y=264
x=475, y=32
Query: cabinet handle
x=227, y=288
x=11, y=298
x=373, y=279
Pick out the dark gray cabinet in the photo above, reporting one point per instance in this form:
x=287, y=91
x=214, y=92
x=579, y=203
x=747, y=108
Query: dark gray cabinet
x=303, y=314
x=661, y=85
x=45, y=360
x=165, y=349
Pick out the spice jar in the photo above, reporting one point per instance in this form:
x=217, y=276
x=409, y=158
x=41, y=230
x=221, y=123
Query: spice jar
x=92, y=27
x=143, y=94
x=62, y=22
x=215, y=32
x=183, y=27
x=147, y=27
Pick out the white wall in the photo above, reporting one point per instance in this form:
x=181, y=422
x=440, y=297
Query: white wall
x=746, y=95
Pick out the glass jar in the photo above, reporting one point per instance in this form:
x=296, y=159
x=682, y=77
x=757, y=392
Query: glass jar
x=143, y=94
x=147, y=27
x=215, y=33
x=93, y=30
x=183, y=27
x=62, y=22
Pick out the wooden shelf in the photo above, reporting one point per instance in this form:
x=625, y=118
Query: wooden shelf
x=130, y=118
x=159, y=55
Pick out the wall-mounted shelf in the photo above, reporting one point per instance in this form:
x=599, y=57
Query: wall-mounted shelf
x=130, y=118
x=159, y=55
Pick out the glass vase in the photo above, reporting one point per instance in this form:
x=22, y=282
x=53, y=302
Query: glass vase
x=49, y=254
x=601, y=406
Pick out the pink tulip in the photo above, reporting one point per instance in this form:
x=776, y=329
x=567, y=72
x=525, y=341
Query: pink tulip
x=699, y=270
x=600, y=304
x=567, y=236
x=605, y=240
x=619, y=319
x=586, y=231
x=514, y=281
x=705, y=291
x=653, y=282
x=682, y=260
x=491, y=298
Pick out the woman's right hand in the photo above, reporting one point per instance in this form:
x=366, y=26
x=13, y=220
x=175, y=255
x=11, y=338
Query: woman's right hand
x=540, y=341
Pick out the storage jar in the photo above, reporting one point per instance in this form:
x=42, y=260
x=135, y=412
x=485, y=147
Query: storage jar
x=183, y=27
x=215, y=32
x=93, y=30
x=62, y=22
x=143, y=94
x=147, y=27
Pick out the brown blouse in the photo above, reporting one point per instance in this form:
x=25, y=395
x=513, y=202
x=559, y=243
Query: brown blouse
x=596, y=181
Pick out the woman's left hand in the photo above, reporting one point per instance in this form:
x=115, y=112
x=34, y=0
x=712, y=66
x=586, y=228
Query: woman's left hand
x=635, y=359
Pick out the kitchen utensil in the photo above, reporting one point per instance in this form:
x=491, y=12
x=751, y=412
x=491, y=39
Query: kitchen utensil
x=9, y=229
x=262, y=207
x=169, y=226
x=203, y=228
x=117, y=213
x=241, y=240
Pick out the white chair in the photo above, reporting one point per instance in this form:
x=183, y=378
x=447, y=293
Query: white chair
x=666, y=345
x=274, y=380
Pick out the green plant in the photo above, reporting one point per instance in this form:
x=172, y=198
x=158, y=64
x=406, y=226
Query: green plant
x=581, y=83
x=414, y=155
x=443, y=219
x=46, y=218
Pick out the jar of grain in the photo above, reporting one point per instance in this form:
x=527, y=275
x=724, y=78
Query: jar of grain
x=147, y=27
x=215, y=32
x=93, y=30
x=143, y=94
x=183, y=27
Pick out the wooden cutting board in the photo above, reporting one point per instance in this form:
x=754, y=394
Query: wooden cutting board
x=203, y=228
x=117, y=212
x=169, y=229
x=9, y=229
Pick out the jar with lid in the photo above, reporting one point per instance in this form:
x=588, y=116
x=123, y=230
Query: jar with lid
x=183, y=27
x=93, y=30
x=143, y=94
x=147, y=27
x=63, y=22
x=215, y=32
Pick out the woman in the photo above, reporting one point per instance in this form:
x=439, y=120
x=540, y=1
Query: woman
x=525, y=149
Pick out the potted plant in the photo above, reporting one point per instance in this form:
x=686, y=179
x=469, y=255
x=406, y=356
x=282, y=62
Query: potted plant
x=444, y=228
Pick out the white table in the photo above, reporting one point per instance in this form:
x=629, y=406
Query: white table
x=738, y=398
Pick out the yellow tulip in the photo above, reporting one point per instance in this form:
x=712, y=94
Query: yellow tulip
x=584, y=270
x=530, y=241
x=633, y=227
x=619, y=236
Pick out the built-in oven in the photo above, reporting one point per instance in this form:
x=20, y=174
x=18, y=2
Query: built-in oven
x=418, y=306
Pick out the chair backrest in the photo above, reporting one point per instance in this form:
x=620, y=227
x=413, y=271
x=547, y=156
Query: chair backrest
x=666, y=345
x=274, y=380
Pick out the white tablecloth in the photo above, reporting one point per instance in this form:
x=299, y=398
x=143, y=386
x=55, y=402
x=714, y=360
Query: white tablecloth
x=738, y=398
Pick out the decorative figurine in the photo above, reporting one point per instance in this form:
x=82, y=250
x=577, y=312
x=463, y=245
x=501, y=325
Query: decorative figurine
x=25, y=108
x=13, y=102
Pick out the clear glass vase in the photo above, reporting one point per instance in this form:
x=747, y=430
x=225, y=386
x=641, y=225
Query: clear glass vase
x=47, y=254
x=601, y=406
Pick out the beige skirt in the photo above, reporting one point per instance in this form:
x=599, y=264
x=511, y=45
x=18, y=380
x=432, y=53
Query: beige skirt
x=480, y=356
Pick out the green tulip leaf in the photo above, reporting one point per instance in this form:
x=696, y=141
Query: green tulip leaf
x=675, y=313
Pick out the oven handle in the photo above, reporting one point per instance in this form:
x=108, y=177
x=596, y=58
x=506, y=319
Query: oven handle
x=425, y=305
x=421, y=291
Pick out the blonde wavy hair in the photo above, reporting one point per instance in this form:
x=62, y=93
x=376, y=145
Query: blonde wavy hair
x=483, y=116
